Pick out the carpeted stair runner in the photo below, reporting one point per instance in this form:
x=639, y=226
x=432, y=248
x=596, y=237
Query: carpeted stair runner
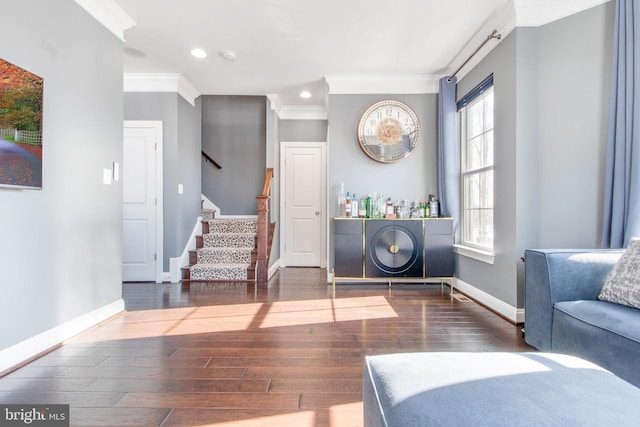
x=225, y=250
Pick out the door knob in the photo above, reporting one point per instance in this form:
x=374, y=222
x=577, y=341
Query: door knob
x=317, y=212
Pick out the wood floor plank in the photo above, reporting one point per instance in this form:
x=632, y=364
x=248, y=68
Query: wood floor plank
x=228, y=354
x=243, y=417
x=161, y=385
x=288, y=401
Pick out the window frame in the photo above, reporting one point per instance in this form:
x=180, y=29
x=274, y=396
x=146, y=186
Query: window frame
x=468, y=246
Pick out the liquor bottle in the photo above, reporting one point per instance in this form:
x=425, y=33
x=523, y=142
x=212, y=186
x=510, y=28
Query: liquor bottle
x=434, y=207
x=362, y=207
x=368, y=208
x=354, y=206
x=341, y=199
x=347, y=206
x=375, y=206
x=389, y=207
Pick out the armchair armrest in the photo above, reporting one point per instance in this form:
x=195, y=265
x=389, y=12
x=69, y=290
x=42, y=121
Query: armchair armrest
x=553, y=275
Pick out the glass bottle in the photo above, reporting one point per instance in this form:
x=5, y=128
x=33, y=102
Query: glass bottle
x=347, y=206
x=362, y=207
x=354, y=206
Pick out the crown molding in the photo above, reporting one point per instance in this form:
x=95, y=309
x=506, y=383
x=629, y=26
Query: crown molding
x=407, y=84
x=296, y=112
x=161, y=82
x=504, y=22
x=302, y=112
x=534, y=13
x=108, y=14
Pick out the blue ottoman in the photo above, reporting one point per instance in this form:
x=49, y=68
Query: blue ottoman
x=494, y=389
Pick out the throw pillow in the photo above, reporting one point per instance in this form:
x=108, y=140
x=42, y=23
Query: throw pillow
x=623, y=283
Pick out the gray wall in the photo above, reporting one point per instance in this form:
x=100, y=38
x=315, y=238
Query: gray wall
x=551, y=87
x=291, y=131
x=61, y=251
x=189, y=165
x=412, y=178
x=181, y=124
x=303, y=130
x=234, y=135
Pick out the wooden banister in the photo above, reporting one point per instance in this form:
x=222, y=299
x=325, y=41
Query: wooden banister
x=210, y=159
x=262, y=262
x=267, y=182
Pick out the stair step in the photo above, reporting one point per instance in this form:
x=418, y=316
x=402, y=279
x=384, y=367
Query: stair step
x=230, y=226
x=223, y=255
x=207, y=214
x=218, y=272
x=228, y=240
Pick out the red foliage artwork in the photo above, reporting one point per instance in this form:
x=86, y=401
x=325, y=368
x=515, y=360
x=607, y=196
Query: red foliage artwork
x=20, y=127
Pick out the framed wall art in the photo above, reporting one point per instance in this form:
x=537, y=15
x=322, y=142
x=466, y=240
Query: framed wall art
x=20, y=127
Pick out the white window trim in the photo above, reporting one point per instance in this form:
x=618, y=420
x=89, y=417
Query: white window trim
x=475, y=253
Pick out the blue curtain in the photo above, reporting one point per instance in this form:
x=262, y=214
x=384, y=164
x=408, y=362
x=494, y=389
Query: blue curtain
x=621, y=215
x=448, y=164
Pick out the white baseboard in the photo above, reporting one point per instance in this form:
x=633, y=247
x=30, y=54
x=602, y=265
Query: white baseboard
x=514, y=314
x=28, y=349
x=273, y=269
x=175, y=264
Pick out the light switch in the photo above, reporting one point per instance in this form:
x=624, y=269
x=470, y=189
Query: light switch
x=180, y=189
x=116, y=171
x=106, y=176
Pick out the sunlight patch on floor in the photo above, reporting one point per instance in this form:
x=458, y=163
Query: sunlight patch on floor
x=238, y=317
x=287, y=313
x=298, y=419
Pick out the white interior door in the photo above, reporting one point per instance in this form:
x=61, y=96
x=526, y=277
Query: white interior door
x=141, y=254
x=304, y=208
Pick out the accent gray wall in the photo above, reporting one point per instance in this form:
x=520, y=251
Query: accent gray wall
x=303, y=130
x=412, y=178
x=551, y=108
x=189, y=165
x=574, y=70
x=61, y=250
x=234, y=135
x=181, y=125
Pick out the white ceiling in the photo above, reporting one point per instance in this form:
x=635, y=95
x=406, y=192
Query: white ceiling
x=285, y=46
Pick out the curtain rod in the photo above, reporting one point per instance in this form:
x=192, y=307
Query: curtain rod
x=493, y=35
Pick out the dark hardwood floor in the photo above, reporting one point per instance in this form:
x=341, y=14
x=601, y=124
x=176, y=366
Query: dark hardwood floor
x=287, y=354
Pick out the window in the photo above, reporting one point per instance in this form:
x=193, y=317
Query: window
x=476, y=119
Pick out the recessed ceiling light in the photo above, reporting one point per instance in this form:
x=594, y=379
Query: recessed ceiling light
x=305, y=94
x=229, y=55
x=199, y=53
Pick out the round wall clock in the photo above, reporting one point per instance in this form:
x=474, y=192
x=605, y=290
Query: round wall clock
x=388, y=131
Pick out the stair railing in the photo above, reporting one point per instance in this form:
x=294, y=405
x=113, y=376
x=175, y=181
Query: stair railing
x=209, y=159
x=264, y=219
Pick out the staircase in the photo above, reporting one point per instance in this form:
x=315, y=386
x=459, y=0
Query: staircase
x=226, y=250
x=233, y=249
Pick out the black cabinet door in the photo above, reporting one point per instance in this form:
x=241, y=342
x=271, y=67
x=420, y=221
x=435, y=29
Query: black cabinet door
x=438, y=247
x=393, y=248
x=348, y=248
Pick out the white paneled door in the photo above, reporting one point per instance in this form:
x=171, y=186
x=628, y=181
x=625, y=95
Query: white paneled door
x=141, y=257
x=304, y=208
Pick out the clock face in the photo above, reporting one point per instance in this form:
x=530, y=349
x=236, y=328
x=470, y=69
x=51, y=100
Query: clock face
x=388, y=131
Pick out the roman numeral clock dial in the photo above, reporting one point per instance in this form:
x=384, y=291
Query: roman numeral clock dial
x=388, y=131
